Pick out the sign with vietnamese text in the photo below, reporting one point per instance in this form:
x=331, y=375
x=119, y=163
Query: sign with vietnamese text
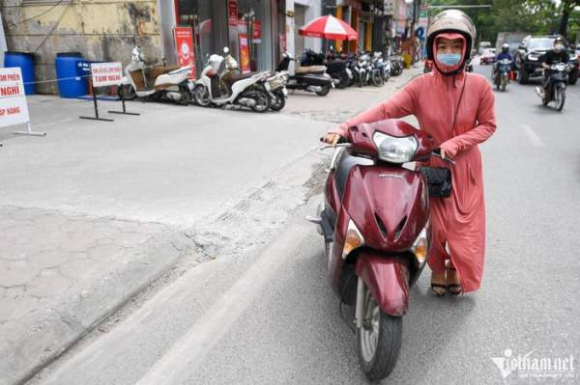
x=13, y=107
x=233, y=12
x=185, y=50
x=244, y=53
x=106, y=74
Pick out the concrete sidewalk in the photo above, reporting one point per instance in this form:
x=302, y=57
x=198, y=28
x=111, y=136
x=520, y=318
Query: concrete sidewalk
x=94, y=212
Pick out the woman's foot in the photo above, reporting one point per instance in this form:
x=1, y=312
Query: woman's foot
x=438, y=284
x=453, y=281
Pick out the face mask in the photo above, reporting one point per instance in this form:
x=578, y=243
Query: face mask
x=558, y=47
x=449, y=59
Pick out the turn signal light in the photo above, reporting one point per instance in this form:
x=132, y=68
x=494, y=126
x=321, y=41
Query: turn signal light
x=353, y=240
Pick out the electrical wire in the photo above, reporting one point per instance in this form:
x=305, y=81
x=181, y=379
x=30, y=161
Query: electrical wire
x=36, y=16
x=54, y=27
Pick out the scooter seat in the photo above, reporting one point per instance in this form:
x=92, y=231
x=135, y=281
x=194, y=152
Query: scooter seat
x=159, y=70
x=310, y=69
x=237, y=77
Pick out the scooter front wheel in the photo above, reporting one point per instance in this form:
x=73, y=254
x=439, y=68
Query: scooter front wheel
x=379, y=340
x=560, y=98
x=279, y=102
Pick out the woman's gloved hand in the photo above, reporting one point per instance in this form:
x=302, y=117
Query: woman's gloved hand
x=332, y=138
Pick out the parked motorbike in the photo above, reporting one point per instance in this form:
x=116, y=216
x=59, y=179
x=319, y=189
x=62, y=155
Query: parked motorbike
x=220, y=84
x=352, y=65
x=556, y=91
x=311, y=79
x=502, y=71
x=155, y=82
x=336, y=67
x=364, y=69
x=276, y=87
x=377, y=77
x=397, y=65
x=376, y=227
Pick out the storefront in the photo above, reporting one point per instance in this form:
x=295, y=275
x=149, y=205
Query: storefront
x=250, y=28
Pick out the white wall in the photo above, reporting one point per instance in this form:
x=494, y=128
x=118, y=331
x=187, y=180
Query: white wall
x=3, y=46
x=313, y=10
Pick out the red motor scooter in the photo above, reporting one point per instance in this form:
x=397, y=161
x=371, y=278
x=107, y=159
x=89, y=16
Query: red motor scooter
x=376, y=227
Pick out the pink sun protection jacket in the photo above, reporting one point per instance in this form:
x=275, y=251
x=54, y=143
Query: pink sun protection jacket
x=459, y=220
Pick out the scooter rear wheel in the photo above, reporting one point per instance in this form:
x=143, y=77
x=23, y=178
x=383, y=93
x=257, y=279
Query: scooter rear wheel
x=127, y=92
x=262, y=101
x=379, y=340
x=324, y=91
x=280, y=101
x=201, y=95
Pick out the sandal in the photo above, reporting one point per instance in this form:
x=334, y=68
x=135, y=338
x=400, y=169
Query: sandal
x=439, y=289
x=454, y=288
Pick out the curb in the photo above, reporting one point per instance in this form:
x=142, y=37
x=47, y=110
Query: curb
x=50, y=335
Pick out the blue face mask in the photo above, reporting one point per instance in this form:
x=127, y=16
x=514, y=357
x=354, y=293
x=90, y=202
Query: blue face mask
x=449, y=59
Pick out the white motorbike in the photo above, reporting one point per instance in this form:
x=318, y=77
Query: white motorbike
x=220, y=84
x=156, y=82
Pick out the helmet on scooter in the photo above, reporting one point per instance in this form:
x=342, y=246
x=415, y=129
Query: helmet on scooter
x=505, y=48
x=451, y=21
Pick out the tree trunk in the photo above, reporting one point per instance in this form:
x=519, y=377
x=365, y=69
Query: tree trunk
x=566, y=9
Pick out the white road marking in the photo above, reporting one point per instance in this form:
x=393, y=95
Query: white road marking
x=187, y=353
x=51, y=123
x=534, y=138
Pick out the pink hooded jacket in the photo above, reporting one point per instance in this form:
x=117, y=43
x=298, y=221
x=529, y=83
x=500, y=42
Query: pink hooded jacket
x=459, y=220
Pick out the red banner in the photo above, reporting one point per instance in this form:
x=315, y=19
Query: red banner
x=244, y=53
x=184, y=46
x=233, y=12
x=257, y=31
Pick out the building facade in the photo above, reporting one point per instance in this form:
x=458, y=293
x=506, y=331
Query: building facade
x=107, y=30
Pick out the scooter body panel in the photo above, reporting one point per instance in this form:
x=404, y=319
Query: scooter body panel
x=388, y=204
x=387, y=279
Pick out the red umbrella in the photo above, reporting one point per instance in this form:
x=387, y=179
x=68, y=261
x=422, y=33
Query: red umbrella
x=329, y=27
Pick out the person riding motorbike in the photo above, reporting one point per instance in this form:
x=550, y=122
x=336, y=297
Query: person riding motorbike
x=457, y=109
x=503, y=54
x=554, y=56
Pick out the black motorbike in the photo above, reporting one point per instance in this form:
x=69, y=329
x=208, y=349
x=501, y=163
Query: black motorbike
x=556, y=91
x=397, y=65
x=310, y=79
x=502, y=71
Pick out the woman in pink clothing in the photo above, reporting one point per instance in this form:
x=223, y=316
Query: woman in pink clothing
x=457, y=109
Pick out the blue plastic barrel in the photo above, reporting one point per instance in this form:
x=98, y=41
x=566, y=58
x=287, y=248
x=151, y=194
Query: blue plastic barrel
x=71, y=71
x=25, y=61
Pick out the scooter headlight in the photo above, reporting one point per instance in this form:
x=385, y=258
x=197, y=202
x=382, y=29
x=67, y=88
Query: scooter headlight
x=395, y=150
x=421, y=247
x=354, y=239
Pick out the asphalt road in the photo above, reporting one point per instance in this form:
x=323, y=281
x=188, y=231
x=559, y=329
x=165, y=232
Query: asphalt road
x=269, y=317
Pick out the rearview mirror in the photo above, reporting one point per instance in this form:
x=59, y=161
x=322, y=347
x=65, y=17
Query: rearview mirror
x=226, y=50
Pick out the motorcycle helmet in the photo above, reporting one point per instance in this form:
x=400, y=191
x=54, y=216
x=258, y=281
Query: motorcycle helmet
x=453, y=23
x=558, y=44
x=505, y=48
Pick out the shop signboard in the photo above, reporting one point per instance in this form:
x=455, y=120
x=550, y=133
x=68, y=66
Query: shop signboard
x=257, y=32
x=185, y=49
x=244, y=53
x=233, y=12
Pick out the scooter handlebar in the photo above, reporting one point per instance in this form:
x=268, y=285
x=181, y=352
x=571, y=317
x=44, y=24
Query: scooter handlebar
x=437, y=154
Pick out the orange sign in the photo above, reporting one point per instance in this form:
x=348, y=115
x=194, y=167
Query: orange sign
x=244, y=53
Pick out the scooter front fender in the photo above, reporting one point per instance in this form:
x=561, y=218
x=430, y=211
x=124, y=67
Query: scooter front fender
x=387, y=277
